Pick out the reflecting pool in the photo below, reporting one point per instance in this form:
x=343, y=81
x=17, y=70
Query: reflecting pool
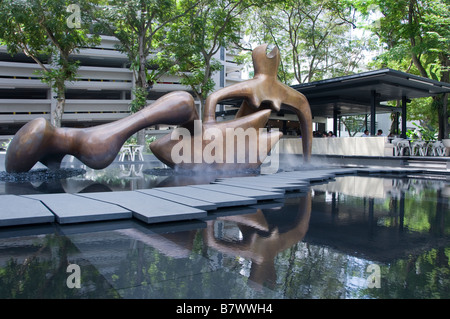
x=74, y=177
x=353, y=237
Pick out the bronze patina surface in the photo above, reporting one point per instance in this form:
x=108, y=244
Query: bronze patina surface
x=260, y=95
x=230, y=145
x=265, y=91
x=98, y=146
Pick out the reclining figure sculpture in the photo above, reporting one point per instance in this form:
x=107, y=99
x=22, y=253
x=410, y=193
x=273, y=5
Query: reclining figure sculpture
x=98, y=146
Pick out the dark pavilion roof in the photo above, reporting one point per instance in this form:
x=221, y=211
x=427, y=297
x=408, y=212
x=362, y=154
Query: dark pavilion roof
x=351, y=95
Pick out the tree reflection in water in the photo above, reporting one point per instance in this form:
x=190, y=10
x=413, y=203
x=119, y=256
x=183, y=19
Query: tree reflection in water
x=43, y=272
x=314, y=245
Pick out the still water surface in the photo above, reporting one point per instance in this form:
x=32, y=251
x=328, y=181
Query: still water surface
x=317, y=244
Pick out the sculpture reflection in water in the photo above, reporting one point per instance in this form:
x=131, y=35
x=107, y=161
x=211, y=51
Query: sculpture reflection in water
x=98, y=146
x=265, y=233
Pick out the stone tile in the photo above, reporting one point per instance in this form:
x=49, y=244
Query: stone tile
x=200, y=204
x=219, y=199
x=241, y=191
x=264, y=184
x=70, y=208
x=147, y=208
x=250, y=185
x=18, y=210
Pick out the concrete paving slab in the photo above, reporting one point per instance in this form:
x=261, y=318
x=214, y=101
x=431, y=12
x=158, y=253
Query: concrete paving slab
x=219, y=199
x=406, y=170
x=264, y=184
x=70, y=208
x=230, y=211
x=200, y=204
x=147, y=208
x=370, y=170
x=254, y=185
x=241, y=191
x=268, y=179
x=305, y=176
x=270, y=204
x=18, y=210
x=342, y=171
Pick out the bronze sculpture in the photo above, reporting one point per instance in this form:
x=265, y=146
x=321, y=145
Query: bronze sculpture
x=260, y=95
x=265, y=91
x=97, y=146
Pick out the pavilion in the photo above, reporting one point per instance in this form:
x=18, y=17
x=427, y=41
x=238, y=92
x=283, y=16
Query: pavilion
x=362, y=94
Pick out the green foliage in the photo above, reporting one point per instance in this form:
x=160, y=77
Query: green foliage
x=39, y=29
x=416, y=39
x=354, y=124
x=312, y=36
x=140, y=99
x=148, y=140
x=198, y=36
x=6, y=144
x=422, y=133
x=140, y=26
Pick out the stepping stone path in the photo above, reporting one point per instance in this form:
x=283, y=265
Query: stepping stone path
x=169, y=204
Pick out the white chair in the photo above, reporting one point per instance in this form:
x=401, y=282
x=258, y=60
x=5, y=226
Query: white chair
x=419, y=147
x=401, y=145
x=395, y=142
x=139, y=151
x=124, y=151
x=437, y=148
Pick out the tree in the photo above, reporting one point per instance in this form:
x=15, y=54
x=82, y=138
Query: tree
x=198, y=36
x=313, y=38
x=43, y=30
x=416, y=35
x=354, y=124
x=140, y=26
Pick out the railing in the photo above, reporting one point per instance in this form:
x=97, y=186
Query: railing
x=364, y=146
x=404, y=147
x=350, y=146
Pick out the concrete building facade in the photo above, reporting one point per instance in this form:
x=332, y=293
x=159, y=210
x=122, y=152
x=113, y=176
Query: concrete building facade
x=101, y=93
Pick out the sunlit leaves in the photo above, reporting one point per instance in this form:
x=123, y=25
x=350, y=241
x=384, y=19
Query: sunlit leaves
x=313, y=38
x=197, y=37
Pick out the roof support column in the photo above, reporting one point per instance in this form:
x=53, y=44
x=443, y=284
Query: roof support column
x=373, y=106
x=339, y=126
x=335, y=121
x=404, y=102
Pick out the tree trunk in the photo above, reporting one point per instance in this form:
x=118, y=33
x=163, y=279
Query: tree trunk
x=57, y=113
x=56, y=116
x=394, y=123
x=142, y=82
